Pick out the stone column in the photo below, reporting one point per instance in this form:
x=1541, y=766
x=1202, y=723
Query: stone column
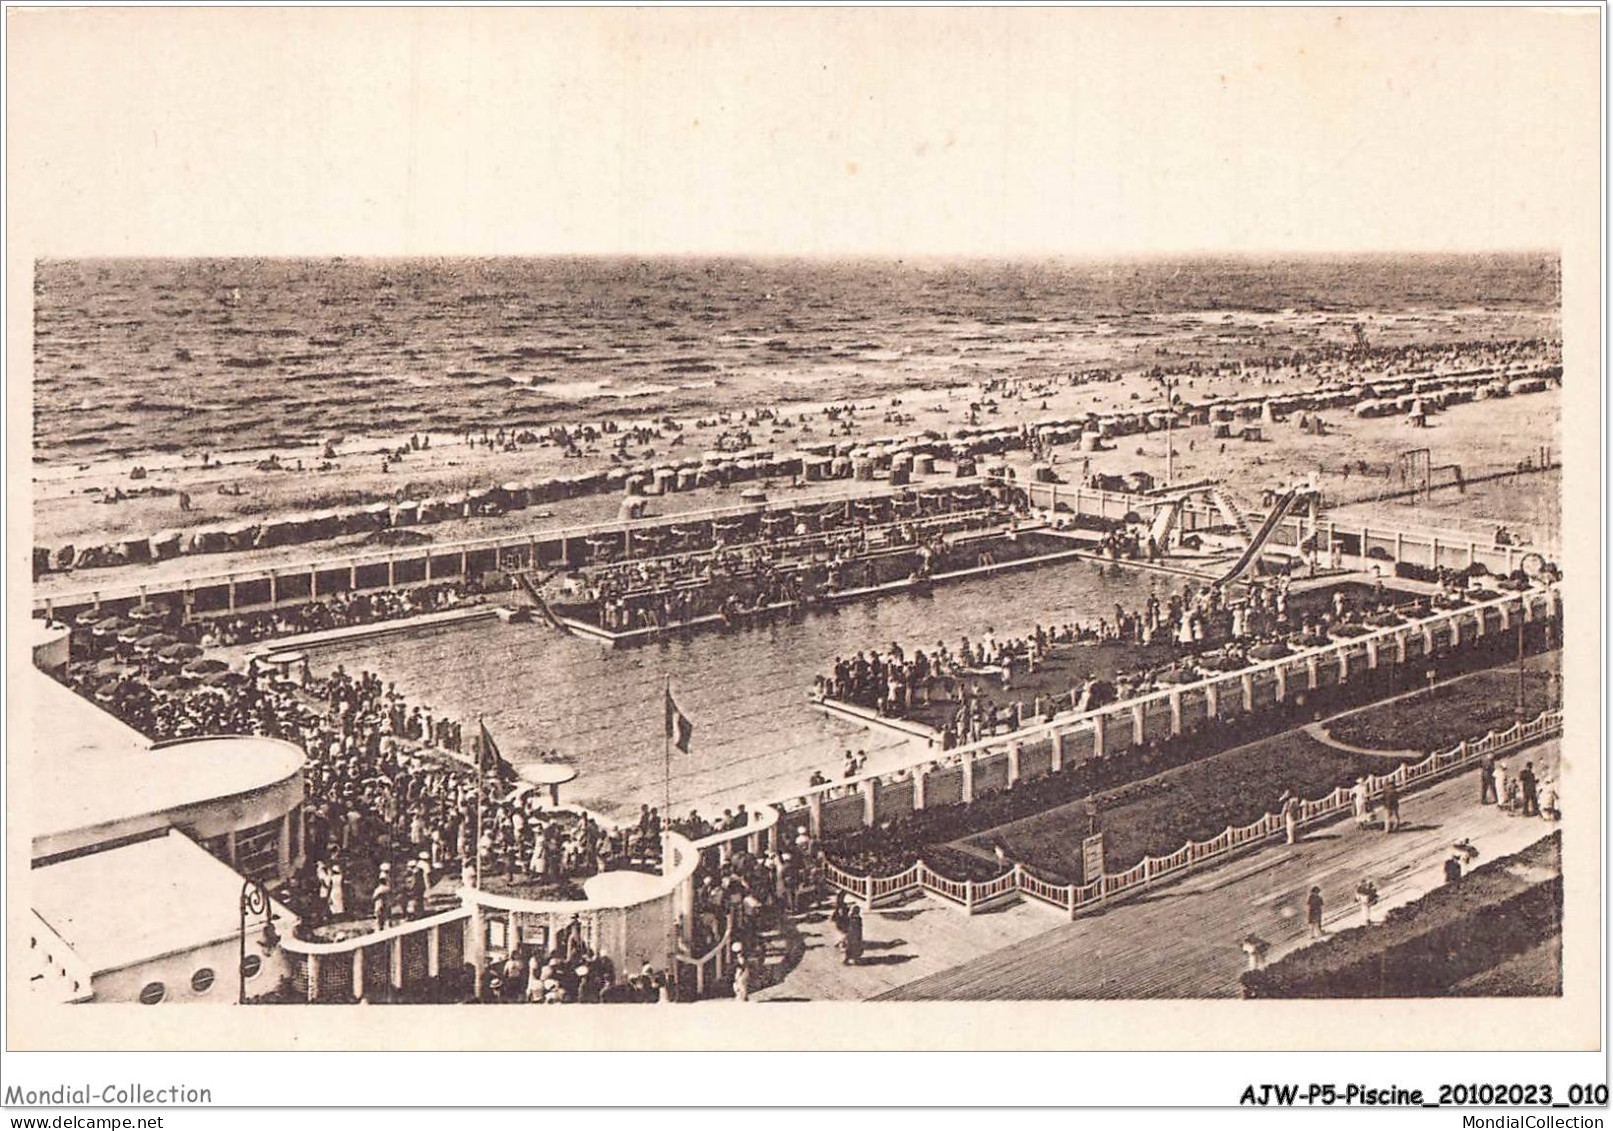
x=1311, y=673
x=968, y=765
x=870, y=792
x=1015, y=750
x=1247, y=680
x=1281, y=672
x=1098, y=727
x=434, y=951
x=1176, y=712
x=920, y=780
x=1139, y=724
x=1058, y=751
x=286, y=855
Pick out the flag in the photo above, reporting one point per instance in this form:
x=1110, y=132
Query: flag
x=679, y=730
x=489, y=758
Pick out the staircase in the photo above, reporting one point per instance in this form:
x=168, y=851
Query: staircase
x=1232, y=512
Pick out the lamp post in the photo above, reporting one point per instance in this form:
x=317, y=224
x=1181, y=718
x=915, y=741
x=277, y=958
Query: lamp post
x=254, y=903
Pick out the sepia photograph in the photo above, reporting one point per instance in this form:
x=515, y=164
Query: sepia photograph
x=794, y=516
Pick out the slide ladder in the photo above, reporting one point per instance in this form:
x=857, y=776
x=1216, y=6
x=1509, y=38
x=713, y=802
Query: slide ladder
x=1267, y=528
x=1164, y=522
x=530, y=587
x=1232, y=512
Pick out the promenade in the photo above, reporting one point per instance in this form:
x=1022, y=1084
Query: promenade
x=1183, y=940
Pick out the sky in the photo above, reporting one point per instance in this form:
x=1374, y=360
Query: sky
x=800, y=132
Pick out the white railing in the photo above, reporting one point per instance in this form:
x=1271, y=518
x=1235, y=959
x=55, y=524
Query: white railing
x=972, y=895
x=711, y=966
x=1293, y=666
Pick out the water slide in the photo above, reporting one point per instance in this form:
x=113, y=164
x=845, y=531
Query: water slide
x=1267, y=528
x=525, y=581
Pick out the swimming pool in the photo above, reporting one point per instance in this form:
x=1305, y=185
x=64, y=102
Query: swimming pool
x=756, y=737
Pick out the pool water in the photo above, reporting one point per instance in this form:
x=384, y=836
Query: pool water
x=756, y=736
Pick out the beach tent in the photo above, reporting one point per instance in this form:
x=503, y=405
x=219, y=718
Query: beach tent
x=241, y=535
x=166, y=545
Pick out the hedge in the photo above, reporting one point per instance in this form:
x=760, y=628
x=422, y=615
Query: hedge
x=1426, y=948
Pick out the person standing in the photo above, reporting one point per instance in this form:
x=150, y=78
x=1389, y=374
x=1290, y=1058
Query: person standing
x=1391, y=806
x=1290, y=813
x=1359, y=802
x=1453, y=868
x=1526, y=781
x=1500, y=775
x=1487, y=780
x=854, y=936
x=1548, y=799
x=1313, y=912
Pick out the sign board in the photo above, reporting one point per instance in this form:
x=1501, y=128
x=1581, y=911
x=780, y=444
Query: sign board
x=1092, y=858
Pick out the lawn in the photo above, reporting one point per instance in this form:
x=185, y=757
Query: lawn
x=1157, y=815
x=1462, y=708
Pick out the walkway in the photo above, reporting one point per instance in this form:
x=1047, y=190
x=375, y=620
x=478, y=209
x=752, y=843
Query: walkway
x=1184, y=940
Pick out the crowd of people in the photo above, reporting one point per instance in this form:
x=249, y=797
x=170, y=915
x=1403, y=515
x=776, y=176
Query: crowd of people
x=1199, y=625
x=801, y=569
x=568, y=971
x=741, y=897
x=388, y=814
x=339, y=610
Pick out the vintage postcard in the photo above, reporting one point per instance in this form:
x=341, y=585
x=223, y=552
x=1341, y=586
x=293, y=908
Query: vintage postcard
x=1061, y=528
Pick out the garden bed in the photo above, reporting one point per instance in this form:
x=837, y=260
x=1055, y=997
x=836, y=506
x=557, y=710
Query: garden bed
x=1157, y=815
x=1464, y=708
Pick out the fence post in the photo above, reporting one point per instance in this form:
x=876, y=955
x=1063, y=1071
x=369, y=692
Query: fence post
x=1098, y=727
x=1057, y=737
x=967, y=762
x=1139, y=727
x=920, y=777
x=1176, y=712
x=870, y=792
x=1015, y=749
x=815, y=815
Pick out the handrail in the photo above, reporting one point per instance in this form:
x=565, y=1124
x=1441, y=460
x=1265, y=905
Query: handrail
x=762, y=818
x=359, y=942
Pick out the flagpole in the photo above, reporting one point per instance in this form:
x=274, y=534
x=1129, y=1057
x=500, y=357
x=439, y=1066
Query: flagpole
x=481, y=753
x=666, y=778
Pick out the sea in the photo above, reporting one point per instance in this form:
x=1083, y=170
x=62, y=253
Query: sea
x=137, y=356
